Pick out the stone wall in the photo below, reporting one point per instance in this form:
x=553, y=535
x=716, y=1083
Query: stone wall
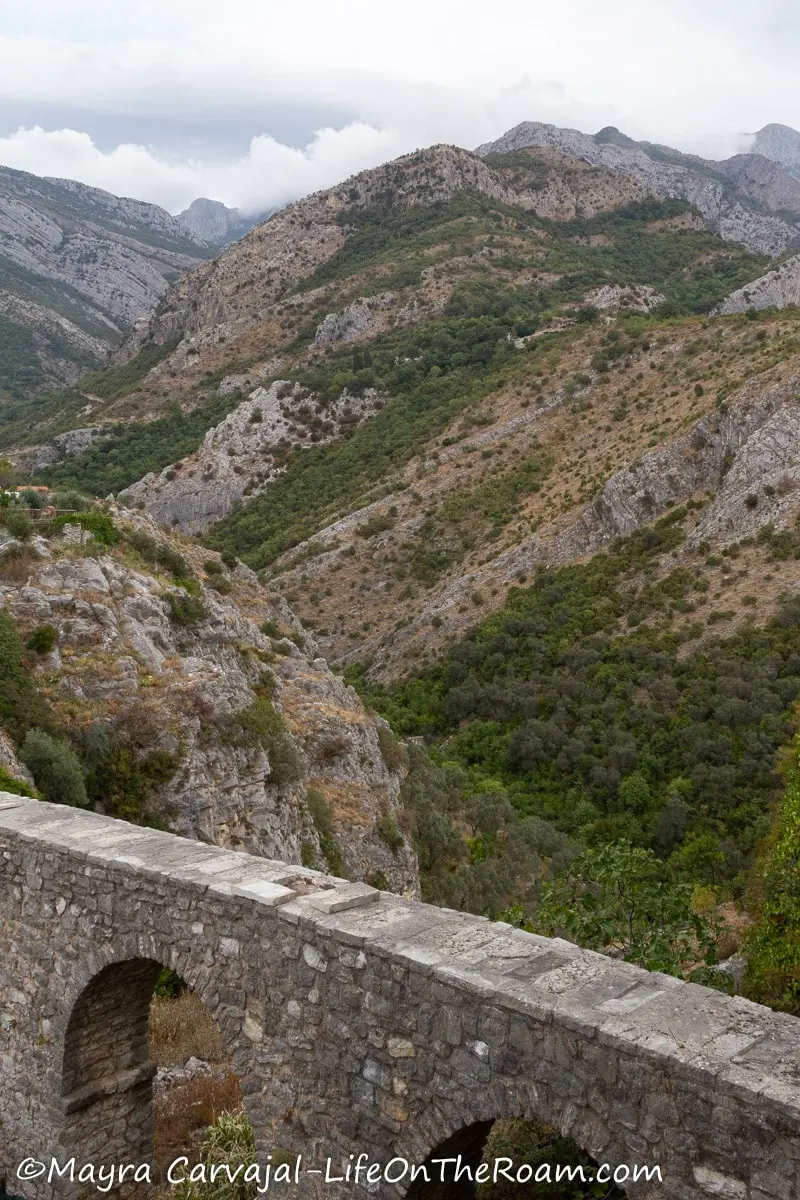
x=358, y=1021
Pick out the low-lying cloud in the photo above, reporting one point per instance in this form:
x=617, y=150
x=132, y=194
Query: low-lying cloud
x=269, y=175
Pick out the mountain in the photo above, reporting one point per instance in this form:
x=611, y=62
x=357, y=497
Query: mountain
x=781, y=144
x=395, y=375
x=213, y=222
x=731, y=196
x=77, y=267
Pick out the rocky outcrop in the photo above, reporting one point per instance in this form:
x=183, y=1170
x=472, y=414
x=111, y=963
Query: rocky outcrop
x=357, y=320
x=80, y=265
x=312, y=781
x=63, y=445
x=636, y=298
x=732, y=454
x=776, y=289
x=732, y=213
x=10, y=764
x=213, y=222
x=245, y=452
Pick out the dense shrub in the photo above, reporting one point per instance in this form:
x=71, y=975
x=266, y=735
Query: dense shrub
x=608, y=733
x=43, y=639
x=158, y=554
x=260, y=724
x=55, y=768
x=321, y=815
x=18, y=787
x=124, y=774
x=20, y=704
x=18, y=523
x=185, y=608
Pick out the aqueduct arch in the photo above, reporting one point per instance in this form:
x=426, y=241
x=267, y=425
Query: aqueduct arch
x=357, y=1021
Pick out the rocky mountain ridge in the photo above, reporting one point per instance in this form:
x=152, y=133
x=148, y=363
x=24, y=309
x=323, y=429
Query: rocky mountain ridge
x=730, y=195
x=77, y=267
x=222, y=299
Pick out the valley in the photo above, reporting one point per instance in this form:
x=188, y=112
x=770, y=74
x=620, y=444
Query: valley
x=507, y=440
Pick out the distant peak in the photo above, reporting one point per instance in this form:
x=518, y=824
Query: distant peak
x=212, y=221
x=610, y=133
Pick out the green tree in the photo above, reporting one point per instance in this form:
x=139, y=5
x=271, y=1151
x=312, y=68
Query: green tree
x=20, y=703
x=620, y=897
x=55, y=768
x=773, y=949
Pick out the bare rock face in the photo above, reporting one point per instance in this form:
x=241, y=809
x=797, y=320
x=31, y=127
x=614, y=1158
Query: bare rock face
x=271, y=753
x=213, y=222
x=637, y=298
x=243, y=454
x=764, y=181
x=776, y=289
x=735, y=216
x=355, y=321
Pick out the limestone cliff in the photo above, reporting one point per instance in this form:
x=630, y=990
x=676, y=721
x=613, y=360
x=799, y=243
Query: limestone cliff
x=264, y=749
x=776, y=289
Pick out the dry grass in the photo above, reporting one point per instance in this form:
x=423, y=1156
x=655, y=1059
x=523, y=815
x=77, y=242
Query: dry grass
x=183, y=1113
x=183, y=1028
x=18, y=563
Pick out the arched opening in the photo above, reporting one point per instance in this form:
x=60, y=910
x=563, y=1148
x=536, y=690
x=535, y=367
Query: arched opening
x=509, y=1160
x=194, y=1084
x=145, y=1070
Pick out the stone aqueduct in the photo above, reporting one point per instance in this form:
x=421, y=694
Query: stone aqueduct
x=358, y=1021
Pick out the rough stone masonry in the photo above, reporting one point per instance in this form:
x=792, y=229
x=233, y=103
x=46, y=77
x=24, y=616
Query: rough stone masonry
x=358, y=1021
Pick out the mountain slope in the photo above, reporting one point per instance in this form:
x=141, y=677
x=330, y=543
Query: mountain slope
x=226, y=297
x=478, y=421
x=730, y=196
x=192, y=698
x=428, y=393
x=77, y=267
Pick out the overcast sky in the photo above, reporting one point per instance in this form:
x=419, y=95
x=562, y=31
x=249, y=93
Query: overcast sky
x=255, y=102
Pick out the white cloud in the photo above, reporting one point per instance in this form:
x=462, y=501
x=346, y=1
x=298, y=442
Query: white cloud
x=270, y=174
